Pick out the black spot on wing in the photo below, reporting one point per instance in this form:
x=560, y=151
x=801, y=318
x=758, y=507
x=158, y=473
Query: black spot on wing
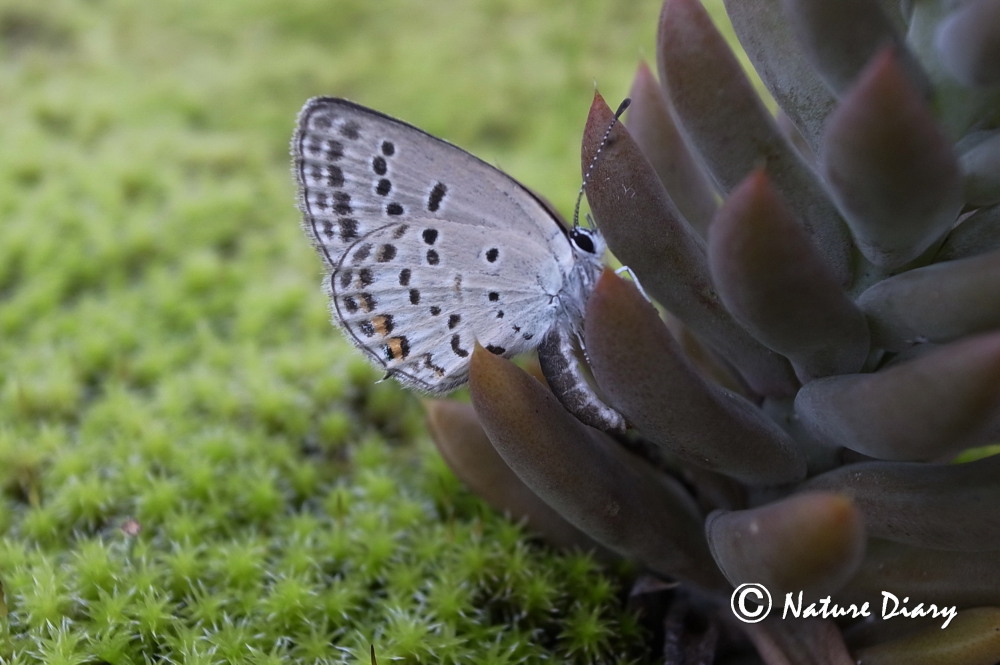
x=494, y=349
x=361, y=253
x=333, y=150
x=388, y=148
x=334, y=176
x=456, y=342
x=328, y=229
x=404, y=277
x=350, y=130
x=346, y=276
x=429, y=364
x=430, y=236
x=385, y=253
x=436, y=197
x=394, y=209
x=320, y=121
x=342, y=203
x=348, y=228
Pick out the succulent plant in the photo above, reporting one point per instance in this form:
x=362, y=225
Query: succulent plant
x=814, y=407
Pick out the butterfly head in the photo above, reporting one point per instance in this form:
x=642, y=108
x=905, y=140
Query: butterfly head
x=587, y=243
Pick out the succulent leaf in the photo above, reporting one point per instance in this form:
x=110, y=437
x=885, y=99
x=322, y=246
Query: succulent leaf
x=890, y=167
x=938, y=506
x=654, y=129
x=585, y=475
x=935, y=304
x=841, y=38
x=928, y=408
x=775, y=282
x=646, y=233
x=792, y=641
x=973, y=640
x=467, y=450
x=962, y=579
x=769, y=42
x=733, y=130
x=976, y=234
x=706, y=425
x=968, y=45
x=980, y=162
x=811, y=542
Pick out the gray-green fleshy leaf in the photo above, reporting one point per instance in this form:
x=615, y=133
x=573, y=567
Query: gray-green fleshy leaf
x=641, y=368
x=976, y=234
x=841, y=37
x=652, y=126
x=645, y=231
x=940, y=506
x=733, y=131
x=778, y=59
x=930, y=407
x=615, y=498
x=972, y=639
x=937, y=303
x=964, y=579
x=811, y=542
x=792, y=641
x=467, y=450
x=980, y=162
x=776, y=283
x=968, y=42
x=891, y=169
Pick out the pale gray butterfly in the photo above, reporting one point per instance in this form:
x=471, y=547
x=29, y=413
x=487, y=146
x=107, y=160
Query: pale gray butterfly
x=430, y=249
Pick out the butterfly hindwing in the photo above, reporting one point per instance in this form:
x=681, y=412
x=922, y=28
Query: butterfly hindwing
x=418, y=295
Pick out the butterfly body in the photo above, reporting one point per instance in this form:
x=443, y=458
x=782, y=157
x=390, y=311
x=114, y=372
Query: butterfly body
x=430, y=250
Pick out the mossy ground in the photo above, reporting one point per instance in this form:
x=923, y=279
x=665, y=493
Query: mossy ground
x=195, y=467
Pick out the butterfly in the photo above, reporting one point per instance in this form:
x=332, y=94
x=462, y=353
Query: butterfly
x=429, y=250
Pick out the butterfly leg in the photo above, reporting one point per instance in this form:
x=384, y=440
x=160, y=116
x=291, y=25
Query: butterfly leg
x=562, y=370
x=625, y=270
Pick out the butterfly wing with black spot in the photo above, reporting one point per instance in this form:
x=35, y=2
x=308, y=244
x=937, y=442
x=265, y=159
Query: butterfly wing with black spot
x=358, y=170
x=417, y=296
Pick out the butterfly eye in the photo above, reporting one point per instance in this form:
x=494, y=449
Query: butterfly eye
x=583, y=239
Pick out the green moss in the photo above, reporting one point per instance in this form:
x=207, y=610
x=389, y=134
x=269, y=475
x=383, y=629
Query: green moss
x=195, y=466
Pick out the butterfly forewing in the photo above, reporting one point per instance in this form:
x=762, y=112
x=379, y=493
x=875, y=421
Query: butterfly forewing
x=358, y=170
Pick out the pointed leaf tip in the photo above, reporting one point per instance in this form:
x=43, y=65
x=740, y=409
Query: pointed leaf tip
x=893, y=172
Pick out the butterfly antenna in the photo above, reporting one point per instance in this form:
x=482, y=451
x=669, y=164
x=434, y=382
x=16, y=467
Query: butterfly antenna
x=593, y=161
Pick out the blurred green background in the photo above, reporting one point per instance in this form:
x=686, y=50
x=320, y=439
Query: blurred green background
x=195, y=465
